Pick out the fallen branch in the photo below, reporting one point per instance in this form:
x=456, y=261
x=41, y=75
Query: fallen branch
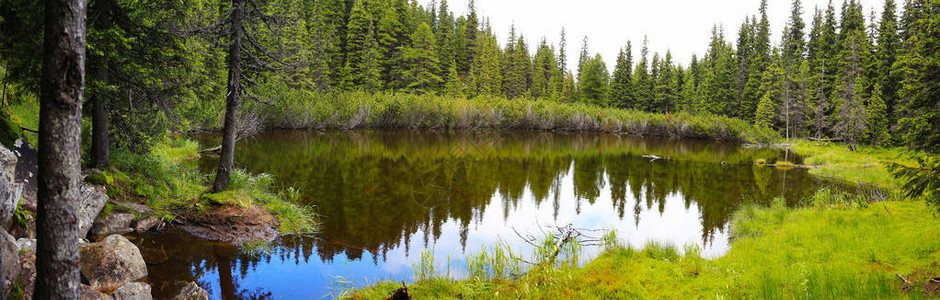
x=30, y=130
x=906, y=286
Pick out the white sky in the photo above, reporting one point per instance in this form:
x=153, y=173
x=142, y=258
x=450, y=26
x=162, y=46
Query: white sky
x=681, y=26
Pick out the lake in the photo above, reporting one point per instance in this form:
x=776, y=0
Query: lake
x=387, y=195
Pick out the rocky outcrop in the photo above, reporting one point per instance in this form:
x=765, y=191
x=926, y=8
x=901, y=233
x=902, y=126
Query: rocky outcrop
x=116, y=223
x=93, y=200
x=26, y=244
x=132, y=291
x=28, y=273
x=9, y=262
x=111, y=263
x=10, y=191
x=192, y=291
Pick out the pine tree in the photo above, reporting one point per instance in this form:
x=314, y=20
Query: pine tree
x=445, y=40
x=621, y=85
x=546, y=71
x=886, y=55
x=917, y=108
x=764, y=116
x=359, y=44
x=584, y=56
x=877, y=114
x=485, y=71
x=642, y=82
x=563, y=53
x=421, y=59
x=388, y=34
x=593, y=81
x=470, y=31
x=851, y=122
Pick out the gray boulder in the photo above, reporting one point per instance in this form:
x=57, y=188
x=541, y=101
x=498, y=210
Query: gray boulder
x=9, y=262
x=146, y=223
x=10, y=191
x=133, y=291
x=86, y=292
x=109, y=264
x=116, y=223
x=93, y=200
x=192, y=291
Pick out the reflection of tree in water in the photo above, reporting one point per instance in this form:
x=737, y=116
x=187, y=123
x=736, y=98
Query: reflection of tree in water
x=376, y=189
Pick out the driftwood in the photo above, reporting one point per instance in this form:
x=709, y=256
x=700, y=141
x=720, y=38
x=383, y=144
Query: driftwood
x=906, y=286
x=652, y=157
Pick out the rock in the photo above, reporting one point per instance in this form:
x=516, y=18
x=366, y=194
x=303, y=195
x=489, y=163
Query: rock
x=146, y=223
x=28, y=273
x=26, y=244
x=10, y=191
x=110, y=263
x=93, y=200
x=192, y=291
x=86, y=292
x=9, y=262
x=116, y=223
x=132, y=291
x=27, y=164
x=138, y=208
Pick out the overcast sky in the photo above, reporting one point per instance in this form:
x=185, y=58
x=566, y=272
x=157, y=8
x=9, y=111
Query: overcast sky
x=681, y=26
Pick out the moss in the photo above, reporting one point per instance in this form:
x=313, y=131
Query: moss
x=100, y=178
x=9, y=128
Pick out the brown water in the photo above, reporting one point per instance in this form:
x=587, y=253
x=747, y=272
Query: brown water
x=385, y=196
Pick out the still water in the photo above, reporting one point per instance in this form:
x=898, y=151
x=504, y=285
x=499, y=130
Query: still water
x=386, y=196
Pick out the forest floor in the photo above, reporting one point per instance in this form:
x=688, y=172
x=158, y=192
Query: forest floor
x=839, y=245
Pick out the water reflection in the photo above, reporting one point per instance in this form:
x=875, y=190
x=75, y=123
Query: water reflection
x=387, y=195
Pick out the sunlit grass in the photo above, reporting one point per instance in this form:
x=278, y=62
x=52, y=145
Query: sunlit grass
x=867, y=165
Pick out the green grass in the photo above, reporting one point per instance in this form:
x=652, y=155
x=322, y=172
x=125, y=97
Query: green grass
x=842, y=246
x=26, y=111
x=867, y=165
x=348, y=110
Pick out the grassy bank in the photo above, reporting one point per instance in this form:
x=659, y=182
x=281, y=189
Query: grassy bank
x=841, y=247
x=349, y=110
x=867, y=165
x=167, y=181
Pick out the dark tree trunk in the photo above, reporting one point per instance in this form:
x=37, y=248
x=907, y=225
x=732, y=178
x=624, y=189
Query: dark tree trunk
x=100, y=153
x=227, y=156
x=60, y=125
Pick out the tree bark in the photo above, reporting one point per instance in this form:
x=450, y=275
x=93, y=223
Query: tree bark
x=59, y=174
x=100, y=142
x=227, y=155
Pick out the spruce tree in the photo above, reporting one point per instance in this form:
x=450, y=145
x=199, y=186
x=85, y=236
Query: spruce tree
x=621, y=85
x=764, y=116
x=593, y=81
x=421, y=76
x=545, y=72
x=642, y=82
x=886, y=55
x=359, y=42
x=445, y=40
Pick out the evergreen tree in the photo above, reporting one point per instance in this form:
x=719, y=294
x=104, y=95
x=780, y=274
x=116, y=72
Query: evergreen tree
x=388, y=33
x=421, y=59
x=886, y=55
x=877, y=115
x=563, y=53
x=593, y=81
x=765, y=112
x=584, y=56
x=621, y=85
x=851, y=123
x=642, y=82
x=470, y=31
x=360, y=48
x=917, y=110
x=546, y=72
x=485, y=71
x=445, y=40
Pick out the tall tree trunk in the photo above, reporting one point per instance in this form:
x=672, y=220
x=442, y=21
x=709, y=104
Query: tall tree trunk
x=60, y=125
x=227, y=157
x=100, y=152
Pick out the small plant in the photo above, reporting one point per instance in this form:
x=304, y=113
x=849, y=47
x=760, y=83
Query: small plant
x=424, y=269
x=255, y=249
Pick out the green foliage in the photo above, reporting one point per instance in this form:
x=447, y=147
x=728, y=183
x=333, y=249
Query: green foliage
x=255, y=249
x=592, y=82
x=348, y=110
x=922, y=181
x=765, y=112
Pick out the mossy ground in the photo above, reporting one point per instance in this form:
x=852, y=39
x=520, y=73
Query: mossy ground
x=867, y=165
